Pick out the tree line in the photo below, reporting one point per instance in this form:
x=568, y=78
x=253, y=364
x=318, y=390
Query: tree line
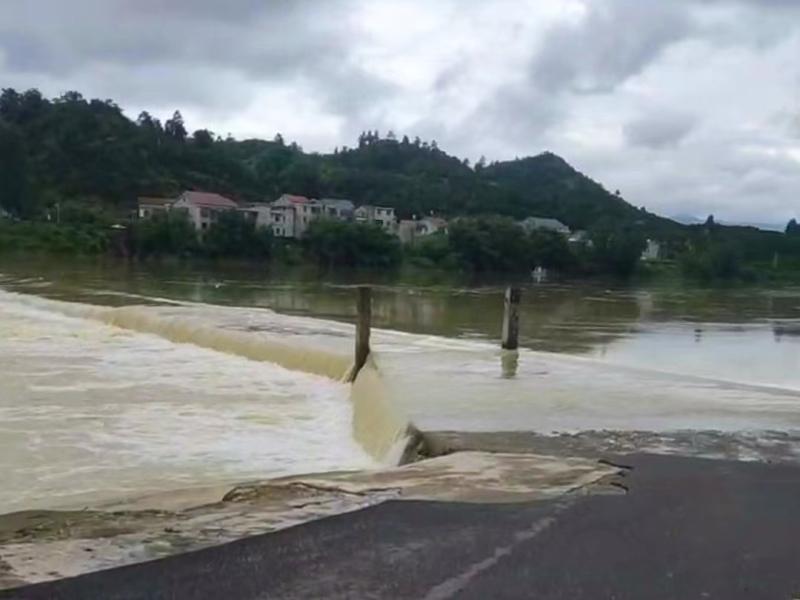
x=74, y=166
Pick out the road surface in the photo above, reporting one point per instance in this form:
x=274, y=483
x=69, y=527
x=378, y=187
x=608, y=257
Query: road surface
x=686, y=528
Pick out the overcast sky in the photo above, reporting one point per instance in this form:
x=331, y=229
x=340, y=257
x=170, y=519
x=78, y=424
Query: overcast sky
x=686, y=106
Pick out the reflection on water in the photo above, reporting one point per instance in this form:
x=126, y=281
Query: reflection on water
x=509, y=363
x=737, y=333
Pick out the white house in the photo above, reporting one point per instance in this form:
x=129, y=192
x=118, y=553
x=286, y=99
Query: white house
x=544, y=224
x=203, y=208
x=280, y=219
x=378, y=215
x=290, y=215
x=410, y=230
x=339, y=209
x=149, y=206
x=294, y=213
x=652, y=251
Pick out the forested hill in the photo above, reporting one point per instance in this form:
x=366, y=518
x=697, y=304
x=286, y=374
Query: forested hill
x=87, y=152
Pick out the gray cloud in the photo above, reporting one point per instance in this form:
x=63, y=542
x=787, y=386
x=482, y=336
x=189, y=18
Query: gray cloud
x=659, y=129
x=615, y=40
x=259, y=41
x=507, y=81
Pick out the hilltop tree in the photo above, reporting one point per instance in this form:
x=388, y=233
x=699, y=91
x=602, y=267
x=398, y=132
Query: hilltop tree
x=175, y=128
x=71, y=97
x=792, y=228
x=21, y=108
x=149, y=123
x=203, y=138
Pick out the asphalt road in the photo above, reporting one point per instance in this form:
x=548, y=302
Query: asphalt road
x=687, y=528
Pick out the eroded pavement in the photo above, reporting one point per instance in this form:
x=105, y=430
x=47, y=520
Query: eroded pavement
x=42, y=545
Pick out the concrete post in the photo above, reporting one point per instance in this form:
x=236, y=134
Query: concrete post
x=363, y=326
x=511, y=318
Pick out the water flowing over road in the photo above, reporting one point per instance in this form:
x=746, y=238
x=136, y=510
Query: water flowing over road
x=112, y=387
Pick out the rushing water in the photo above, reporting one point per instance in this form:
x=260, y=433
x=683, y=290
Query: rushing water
x=90, y=411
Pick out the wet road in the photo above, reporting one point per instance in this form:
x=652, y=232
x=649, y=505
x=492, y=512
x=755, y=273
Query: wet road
x=686, y=528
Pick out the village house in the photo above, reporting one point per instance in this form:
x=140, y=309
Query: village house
x=378, y=215
x=652, y=251
x=203, y=208
x=544, y=224
x=290, y=215
x=280, y=218
x=149, y=206
x=341, y=210
x=410, y=230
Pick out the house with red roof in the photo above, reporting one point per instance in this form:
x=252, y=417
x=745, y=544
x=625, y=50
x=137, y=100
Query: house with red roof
x=296, y=212
x=203, y=208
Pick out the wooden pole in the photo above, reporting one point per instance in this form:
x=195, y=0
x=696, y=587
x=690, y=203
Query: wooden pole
x=511, y=318
x=363, y=326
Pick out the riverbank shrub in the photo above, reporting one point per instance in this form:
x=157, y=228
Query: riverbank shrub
x=168, y=234
x=234, y=235
x=41, y=237
x=345, y=244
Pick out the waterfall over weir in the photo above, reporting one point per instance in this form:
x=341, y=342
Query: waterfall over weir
x=261, y=335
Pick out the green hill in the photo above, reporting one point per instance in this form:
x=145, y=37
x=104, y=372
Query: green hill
x=87, y=152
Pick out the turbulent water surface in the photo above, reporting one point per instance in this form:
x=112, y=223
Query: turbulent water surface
x=92, y=412
x=98, y=403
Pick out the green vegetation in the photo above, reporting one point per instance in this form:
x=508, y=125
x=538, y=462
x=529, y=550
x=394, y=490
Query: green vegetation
x=615, y=249
x=342, y=244
x=166, y=235
x=87, y=151
x=71, y=168
x=27, y=237
x=488, y=244
x=233, y=235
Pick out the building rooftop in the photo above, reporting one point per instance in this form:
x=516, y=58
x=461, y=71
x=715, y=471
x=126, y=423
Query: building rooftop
x=152, y=201
x=208, y=199
x=545, y=223
x=338, y=202
x=295, y=199
x=436, y=221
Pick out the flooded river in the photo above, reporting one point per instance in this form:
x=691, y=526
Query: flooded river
x=92, y=409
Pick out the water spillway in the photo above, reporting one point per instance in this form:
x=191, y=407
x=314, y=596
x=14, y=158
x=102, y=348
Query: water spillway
x=99, y=402
x=182, y=393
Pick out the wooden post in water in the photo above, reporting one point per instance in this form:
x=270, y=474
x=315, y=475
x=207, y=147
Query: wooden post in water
x=363, y=326
x=511, y=318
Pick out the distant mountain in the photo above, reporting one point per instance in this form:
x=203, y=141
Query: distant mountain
x=763, y=226
x=685, y=219
x=550, y=186
x=692, y=220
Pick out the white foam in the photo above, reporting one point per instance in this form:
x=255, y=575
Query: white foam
x=91, y=412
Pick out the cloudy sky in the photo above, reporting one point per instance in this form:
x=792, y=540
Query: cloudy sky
x=686, y=106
